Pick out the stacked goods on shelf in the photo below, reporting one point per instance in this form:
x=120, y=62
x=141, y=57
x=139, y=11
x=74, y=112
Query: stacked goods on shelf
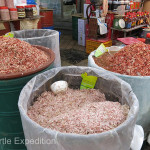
x=127, y=4
x=135, y=4
x=21, y=12
x=5, y=16
x=75, y=25
x=9, y=12
x=6, y=10
x=134, y=19
x=131, y=20
x=81, y=31
x=12, y=10
x=29, y=11
x=114, y=4
x=13, y=13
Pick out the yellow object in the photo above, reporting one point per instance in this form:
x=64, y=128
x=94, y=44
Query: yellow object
x=92, y=45
x=100, y=50
x=10, y=34
x=88, y=82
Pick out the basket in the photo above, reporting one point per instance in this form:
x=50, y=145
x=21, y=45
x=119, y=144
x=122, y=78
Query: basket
x=92, y=44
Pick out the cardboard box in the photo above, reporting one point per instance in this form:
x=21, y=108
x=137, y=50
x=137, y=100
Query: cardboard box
x=81, y=39
x=82, y=25
x=85, y=8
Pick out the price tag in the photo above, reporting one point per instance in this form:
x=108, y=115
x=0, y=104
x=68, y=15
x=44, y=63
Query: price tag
x=88, y=82
x=100, y=50
x=10, y=34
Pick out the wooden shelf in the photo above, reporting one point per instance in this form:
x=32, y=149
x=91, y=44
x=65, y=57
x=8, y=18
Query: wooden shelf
x=46, y=9
x=129, y=30
x=35, y=17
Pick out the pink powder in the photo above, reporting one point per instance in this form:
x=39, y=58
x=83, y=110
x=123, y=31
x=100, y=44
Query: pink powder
x=78, y=111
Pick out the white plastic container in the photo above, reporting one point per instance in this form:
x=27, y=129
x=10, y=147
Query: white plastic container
x=4, y=13
x=82, y=25
x=13, y=13
x=34, y=10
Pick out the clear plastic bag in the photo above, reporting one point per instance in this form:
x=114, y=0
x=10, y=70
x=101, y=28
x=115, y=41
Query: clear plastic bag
x=47, y=38
x=138, y=138
x=114, y=88
x=140, y=86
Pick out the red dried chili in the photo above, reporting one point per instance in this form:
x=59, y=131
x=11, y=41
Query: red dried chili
x=19, y=56
x=131, y=60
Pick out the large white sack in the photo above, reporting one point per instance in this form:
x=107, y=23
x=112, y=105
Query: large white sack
x=141, y=88
x=114, y=88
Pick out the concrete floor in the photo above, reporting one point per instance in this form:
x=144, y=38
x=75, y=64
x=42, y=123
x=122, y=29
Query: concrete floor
x=67, y=43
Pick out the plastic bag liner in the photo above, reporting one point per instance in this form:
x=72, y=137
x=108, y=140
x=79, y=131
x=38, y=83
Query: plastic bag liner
x=140, y=86
x=114, y=88
x=47, y=38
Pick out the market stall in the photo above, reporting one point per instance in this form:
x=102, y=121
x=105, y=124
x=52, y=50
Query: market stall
x=101, y=107
x=108, y=20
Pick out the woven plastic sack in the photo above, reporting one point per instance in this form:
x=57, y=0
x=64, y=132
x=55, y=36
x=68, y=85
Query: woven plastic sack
x=47, y=38
x=140, y=86
x=114, y=88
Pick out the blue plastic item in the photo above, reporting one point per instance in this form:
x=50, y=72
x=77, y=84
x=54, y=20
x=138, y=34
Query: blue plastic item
x=51, y=27
x=31, y=2
x=59, y=35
